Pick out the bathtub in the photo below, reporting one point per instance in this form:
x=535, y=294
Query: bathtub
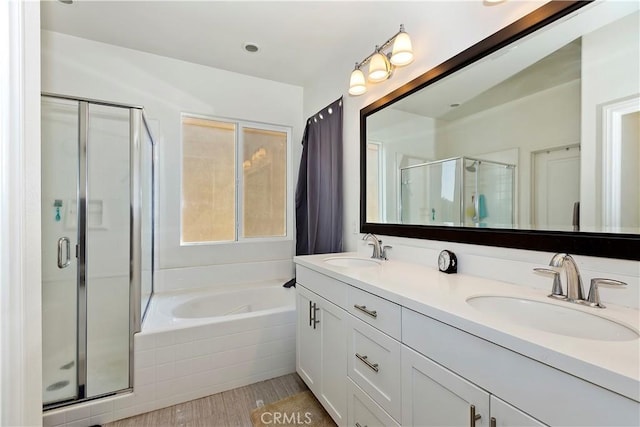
x=175, y=310
x=197, y=343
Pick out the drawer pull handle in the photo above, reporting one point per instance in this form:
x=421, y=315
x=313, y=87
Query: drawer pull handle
x=373, y=366
x=473, y=417
x=315, y=313
x=358, y=425
x=364, y=309
x=492, y=422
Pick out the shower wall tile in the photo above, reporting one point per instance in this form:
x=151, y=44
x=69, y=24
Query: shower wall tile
x=164, y=340
x=83, y=422
x=101, y=408
x=145, y=342
x=165, y=354
x=54, y=418
x=144, y=358
x=165, y=372
x=81, y=412
x=145, y=376
x=101, y=419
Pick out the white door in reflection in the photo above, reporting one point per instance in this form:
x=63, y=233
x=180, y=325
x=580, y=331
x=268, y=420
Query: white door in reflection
x=556, y=187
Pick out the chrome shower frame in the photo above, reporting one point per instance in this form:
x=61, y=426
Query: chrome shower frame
x=137, y=125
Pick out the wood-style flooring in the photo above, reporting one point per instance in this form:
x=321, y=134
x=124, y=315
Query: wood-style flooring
x=227, y=409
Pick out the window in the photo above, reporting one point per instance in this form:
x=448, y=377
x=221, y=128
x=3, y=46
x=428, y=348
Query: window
x=234, y=180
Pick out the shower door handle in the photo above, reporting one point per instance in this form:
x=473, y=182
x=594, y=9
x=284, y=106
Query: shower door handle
x=61, y=243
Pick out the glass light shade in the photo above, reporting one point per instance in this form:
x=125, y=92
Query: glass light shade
x=357, y=83
x=402, y=53
x=379, y=68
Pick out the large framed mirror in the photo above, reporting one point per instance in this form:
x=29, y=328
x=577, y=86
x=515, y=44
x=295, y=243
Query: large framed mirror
x=529, y=139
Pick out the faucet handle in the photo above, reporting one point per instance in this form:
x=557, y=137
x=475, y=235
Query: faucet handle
x=383, y=255
x=593, y=299
x=556, y=290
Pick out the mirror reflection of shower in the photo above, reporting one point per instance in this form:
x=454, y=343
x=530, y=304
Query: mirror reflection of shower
x=458, y=191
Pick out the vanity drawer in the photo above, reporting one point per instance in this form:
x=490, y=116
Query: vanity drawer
x=374, y=365
x=328, y=288
x=378, y=312
x=364, y=412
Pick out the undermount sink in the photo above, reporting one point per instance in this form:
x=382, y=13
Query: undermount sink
x=553, y=318
x=351, y=262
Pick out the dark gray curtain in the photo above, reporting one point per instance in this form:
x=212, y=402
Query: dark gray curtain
x=319, y=189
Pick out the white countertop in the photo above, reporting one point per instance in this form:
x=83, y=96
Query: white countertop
x=614, y=365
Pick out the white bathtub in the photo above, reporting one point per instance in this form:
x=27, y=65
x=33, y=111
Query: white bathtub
x=176, y=310
x=198, y=343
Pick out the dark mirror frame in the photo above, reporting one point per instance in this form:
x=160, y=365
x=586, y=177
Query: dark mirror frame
x=606, y=245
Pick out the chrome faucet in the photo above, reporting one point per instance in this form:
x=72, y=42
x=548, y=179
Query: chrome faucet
x=574, y=281
x=379, y=251
x=377, y=243
x=575, y=292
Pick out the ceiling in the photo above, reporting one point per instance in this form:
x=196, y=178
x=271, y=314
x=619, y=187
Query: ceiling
x=299, y=40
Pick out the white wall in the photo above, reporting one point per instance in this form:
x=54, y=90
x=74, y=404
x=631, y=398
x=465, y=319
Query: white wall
x=443, y=41
x=20, y=311
x=402, y=135
x=516, y=125
x=167, y=87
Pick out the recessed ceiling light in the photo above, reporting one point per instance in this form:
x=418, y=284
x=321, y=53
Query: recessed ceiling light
x=251, y=47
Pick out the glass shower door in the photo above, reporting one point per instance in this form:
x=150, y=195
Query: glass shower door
x=60, y=177
x=108, y=253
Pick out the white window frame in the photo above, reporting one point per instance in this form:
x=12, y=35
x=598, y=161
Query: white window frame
x=239, y=180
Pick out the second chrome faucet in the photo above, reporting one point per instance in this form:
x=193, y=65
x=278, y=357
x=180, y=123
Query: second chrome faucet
x=575, y=293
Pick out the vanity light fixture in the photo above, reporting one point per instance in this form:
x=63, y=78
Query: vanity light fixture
x=381, y=64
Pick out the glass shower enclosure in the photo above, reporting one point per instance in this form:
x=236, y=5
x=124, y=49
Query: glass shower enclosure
x=97, y=244
x=461, y=191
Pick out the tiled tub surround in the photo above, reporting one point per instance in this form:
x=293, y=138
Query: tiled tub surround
x=181, y=360
x=428, y=294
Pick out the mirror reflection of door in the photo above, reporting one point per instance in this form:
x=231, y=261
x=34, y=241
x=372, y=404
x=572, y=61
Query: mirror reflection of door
x=630, y=172
x=374, y=176
x=414, y=185
x=556, y=187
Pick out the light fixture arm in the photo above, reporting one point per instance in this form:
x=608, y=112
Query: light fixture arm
x=380, y=48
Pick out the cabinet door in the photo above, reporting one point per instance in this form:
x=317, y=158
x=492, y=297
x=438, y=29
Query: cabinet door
x=333, y=356
x=307, y=340
x=435, y=396
x=364, y=411
x=506, y=415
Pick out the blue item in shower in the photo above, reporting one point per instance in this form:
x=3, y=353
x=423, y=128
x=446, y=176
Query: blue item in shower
x=57, y=204
x=482, y=207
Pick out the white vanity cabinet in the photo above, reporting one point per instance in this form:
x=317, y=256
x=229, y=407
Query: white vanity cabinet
x=505, y=415
x=549, y=395
x=374, y=357
x=321, y=358
x=434, y=396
